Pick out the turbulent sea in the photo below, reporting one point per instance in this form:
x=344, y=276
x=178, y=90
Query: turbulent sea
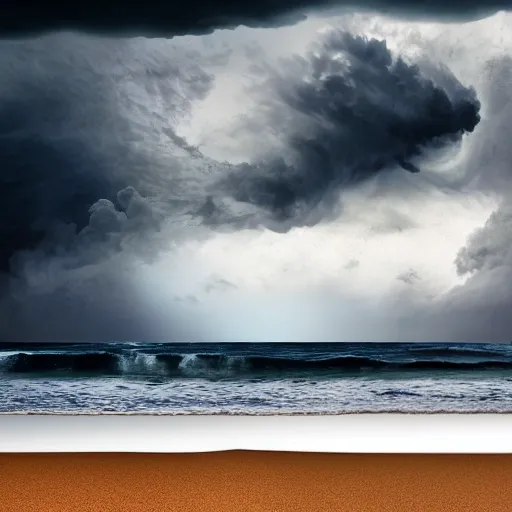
x=257, y=378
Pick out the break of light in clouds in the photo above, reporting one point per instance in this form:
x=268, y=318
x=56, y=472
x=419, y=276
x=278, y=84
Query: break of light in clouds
x=259, y=184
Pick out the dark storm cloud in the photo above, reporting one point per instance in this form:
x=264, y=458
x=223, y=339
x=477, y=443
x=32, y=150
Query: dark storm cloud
x=346, y=112
x=169, y=18
x=71, y=128
x=77, y=125
x=64, y=140
x=93, y=173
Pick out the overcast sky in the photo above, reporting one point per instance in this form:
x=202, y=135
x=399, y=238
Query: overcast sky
x=259, y=184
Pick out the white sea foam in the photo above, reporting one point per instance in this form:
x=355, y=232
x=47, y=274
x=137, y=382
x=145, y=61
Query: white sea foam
x=136, y=363
x=465, y=394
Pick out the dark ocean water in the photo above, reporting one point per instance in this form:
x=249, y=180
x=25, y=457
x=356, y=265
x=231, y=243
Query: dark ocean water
x=258, y=378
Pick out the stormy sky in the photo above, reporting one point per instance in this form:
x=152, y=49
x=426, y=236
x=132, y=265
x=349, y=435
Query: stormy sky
x=255, y=174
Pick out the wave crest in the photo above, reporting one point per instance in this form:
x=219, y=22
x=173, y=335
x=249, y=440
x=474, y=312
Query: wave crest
x=197, y=365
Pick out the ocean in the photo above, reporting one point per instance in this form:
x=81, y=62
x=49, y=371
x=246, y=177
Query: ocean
x=255, y=378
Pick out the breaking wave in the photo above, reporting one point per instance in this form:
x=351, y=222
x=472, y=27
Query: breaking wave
x=200, y=365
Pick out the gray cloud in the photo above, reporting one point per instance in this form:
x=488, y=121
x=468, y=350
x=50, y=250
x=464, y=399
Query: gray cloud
x=479, y=309
x=74, y=130
x=488, y=247
x=352, y=264
x=77, y=134
x=409, y=277
x=89, y=150
x=65, y=137
x=345, y=112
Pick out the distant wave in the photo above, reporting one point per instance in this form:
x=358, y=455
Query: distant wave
x=132, y=362
x=457, y=350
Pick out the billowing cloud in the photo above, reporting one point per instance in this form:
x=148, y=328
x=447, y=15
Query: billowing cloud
x=128, y=231
x=77, y=133
x=65, y=138
x=345, y=112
